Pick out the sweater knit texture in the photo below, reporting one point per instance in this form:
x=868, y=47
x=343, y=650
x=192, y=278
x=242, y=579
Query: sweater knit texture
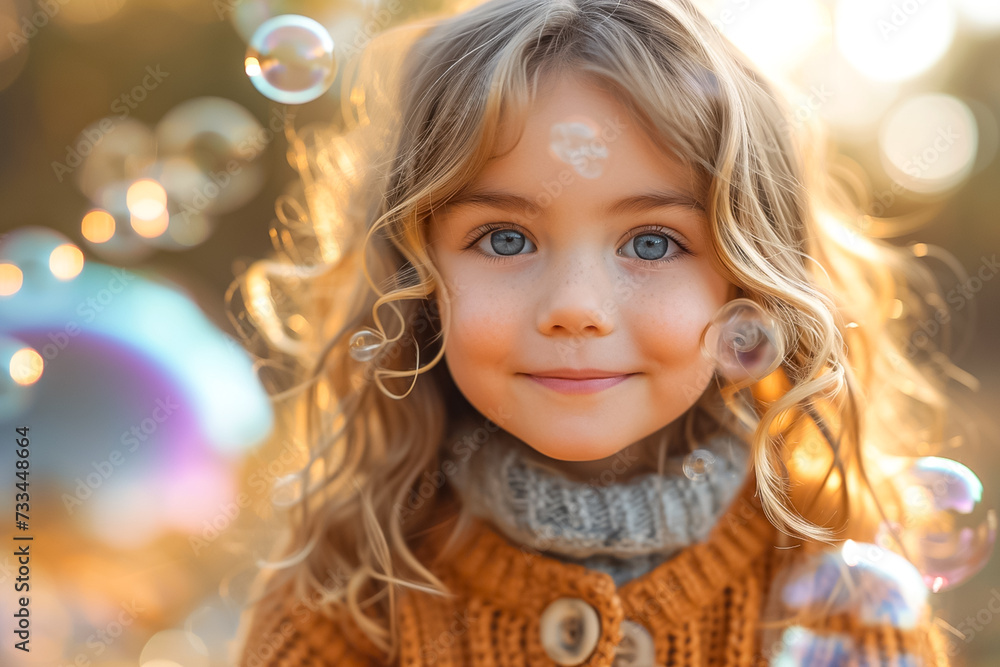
x=698, y=595
x=623, y=528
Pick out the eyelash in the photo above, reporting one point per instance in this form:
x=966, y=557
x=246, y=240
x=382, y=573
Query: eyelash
x=483, y=231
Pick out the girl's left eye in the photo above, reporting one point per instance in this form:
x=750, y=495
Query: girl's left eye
x=650, y=244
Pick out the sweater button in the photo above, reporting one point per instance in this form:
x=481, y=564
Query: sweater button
x=636, y=648
x=570, y=629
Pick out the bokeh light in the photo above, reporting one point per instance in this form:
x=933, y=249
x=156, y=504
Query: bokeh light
x=98, y=226
x=26, y=366
x=146, y=199
x=892, y=41
x=928, y=143
x=66, y=262
x=11, y=279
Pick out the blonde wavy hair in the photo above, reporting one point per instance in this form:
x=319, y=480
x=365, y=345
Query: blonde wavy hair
x=421, y=110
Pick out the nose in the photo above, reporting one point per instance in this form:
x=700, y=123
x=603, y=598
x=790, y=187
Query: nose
x=577, y=297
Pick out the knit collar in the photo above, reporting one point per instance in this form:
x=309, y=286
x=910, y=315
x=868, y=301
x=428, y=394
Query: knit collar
x=624, y=528
x=483, y=563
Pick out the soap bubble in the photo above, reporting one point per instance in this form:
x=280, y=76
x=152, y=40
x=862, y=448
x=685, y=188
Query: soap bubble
x=743, y=341
x=698, y=463
x=365, y=344
x=874, y=585
x=290, y=59
x=946, y=529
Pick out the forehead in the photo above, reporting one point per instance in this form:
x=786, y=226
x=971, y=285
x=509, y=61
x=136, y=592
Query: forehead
x=576, y=137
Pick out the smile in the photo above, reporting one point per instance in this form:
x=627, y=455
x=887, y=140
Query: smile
x=586, y=386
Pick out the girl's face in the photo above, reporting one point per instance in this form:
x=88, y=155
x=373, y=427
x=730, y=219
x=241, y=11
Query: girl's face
x=581, y=251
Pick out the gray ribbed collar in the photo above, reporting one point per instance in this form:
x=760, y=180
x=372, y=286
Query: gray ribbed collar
x=624, y=528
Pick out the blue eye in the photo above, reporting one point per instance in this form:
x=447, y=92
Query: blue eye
x=507, y=242
x=649, y=245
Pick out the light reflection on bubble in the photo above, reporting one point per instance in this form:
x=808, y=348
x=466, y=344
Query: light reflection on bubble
x=947, y=529
x=874, y=585
x=928, y=143
x=295, y=59
x=886, y=43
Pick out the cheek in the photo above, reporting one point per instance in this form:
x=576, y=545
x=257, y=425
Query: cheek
x=668, y=322
x=483, y=324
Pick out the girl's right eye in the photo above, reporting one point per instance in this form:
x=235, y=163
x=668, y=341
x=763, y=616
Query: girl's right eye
x=499, y=242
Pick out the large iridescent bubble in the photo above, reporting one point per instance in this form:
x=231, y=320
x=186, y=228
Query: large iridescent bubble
x=946, y=528
x=873, y=585
x=290, y=59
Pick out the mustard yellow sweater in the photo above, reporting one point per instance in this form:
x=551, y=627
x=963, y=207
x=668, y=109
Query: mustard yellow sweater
x=702, y=607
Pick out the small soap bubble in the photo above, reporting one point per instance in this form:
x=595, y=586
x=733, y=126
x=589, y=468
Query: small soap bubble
x=698, y=463
x=744, y=341
x=577, y=144
x=364, y=345
x=946, y=528
x=290, y=59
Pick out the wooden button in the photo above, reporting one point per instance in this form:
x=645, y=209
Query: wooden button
x=636, y=648
x=570, y=629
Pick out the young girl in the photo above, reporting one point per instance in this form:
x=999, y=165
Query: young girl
x=566, y=202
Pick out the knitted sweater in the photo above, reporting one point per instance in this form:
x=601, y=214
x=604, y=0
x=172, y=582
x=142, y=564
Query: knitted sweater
x=704, y=605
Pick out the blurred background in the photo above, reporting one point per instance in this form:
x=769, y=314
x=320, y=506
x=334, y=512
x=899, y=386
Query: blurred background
x=141, y=155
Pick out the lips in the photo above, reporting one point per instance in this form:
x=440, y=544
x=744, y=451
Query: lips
x=584, y=384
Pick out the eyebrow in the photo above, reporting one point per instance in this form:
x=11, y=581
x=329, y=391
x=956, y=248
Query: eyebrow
x=632, y=204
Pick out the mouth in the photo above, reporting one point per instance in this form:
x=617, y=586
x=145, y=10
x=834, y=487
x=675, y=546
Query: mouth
x=579, y=385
